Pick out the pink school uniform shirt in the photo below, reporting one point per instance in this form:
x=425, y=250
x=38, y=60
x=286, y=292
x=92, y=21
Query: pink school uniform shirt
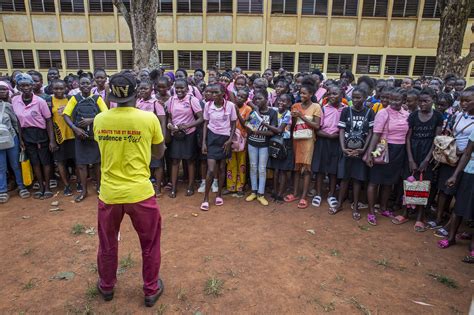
x=272, y=97
x=95, y=91
x=182, y=111
x=394, y=129
x=330, y=117
x=219, y=118
x=151, y=105
x=33, y=114
x=320, y=94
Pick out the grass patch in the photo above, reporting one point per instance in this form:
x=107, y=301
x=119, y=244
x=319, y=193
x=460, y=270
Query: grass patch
x=327, y=307
x=92, y=292
x=93, y=268
x=364, y=228
x=383, y=262
x=125, y=263
x=161, y=309
x=207, y=258
x=27, y=252
x=335, y=252
x=450, y=283
x=364, y=310
x=214, y=286
x=30, y=284
x=78, y=229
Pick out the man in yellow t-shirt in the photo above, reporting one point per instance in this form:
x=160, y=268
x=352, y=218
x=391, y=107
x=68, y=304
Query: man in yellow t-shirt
x=127, y=139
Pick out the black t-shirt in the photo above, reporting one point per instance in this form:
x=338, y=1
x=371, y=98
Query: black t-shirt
x=362, y=120
x=427, y=129
x=270, y=117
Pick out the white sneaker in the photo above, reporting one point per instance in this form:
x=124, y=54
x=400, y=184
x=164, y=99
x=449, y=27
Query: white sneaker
x=202, y=187
x=215, y=186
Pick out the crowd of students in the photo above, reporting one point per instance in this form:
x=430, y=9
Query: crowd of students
x=314, y=137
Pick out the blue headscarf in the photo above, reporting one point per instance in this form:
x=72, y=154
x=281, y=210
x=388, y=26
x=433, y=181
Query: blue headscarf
x=23, y=78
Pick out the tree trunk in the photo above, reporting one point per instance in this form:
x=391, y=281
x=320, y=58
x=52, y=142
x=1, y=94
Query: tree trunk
x=453, y=22
x=141, y=21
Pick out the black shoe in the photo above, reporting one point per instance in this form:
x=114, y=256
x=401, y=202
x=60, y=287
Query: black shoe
x=106, y=295
x=151, y=300
x=67, y=191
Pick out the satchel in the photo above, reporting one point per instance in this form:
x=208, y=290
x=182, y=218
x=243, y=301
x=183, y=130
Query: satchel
x=355, y=140
x=277, y=148
x=238, y=141
x=416, y=192
x=380, y=155
x=302, y=130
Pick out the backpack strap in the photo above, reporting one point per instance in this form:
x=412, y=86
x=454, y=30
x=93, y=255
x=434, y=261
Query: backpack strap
x=3, y=112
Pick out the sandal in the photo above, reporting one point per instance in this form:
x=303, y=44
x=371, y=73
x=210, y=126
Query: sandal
x=316, y=202
x=205, y=206
x=302, y=204
x=433, y=225
x=419, y=227
x=469, y=259
x=80, y=198
x=4, y=197
x=38, y=195
x=279, y=200
x=333, y=211
x=311, y=193
x=219, y=201
x=356, y=216
x=360, y=205
x=168, y=186
x=445, y=243
x=464, y=236
x=172, y=194
x=441, y=232
x=53, y=183
x=36, y=186
x=372, y=219
x=189, y=192
x=290, y=198
x=24, y=193
x=387, y=213
x=332, y=201
x=48, y=194
x=399, y=219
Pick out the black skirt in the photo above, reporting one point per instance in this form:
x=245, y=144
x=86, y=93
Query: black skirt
x=326, y=155
x=391, y=173
x=184, y=149
x=38, y=153
x=66, y=151
x=352, y=168
x=464, y=206
x=87, y=152
x=215, y=145
x=287, y=164
x=444, y=173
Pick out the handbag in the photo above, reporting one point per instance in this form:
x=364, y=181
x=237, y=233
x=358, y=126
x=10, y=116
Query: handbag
x=6, y=139
x=277, y=148
x=416, y=192
x=238, y=141
x=26, y=169
x=380, y=155
x=302, y=130
x=355, y=140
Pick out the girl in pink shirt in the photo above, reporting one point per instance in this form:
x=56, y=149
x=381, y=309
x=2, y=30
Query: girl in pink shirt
x=101, y=89
x=37, y=132
x=192, y=90
x=327, y=150
x=391, y=124
x=184, y=115
x=220, y=119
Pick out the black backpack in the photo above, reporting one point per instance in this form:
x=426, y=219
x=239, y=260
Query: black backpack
x=86, y=108
x=277, y=148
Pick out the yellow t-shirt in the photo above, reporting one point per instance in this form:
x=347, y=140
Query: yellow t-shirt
x=61, y=130
x=125, y=136
x=73, y=102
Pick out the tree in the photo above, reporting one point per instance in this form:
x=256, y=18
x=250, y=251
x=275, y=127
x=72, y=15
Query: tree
x=453, y=22
x=141, y=21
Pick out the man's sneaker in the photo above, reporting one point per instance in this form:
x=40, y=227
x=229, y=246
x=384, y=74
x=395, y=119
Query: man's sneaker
x=79, y=188
x=262, y=200
x=67, y=191
x=251, y=197
x=106, y=295
x=215, y=186
x=202, y=187
x=151, y=299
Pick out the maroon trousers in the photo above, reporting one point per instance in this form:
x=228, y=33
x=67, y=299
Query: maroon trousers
x=146, y=220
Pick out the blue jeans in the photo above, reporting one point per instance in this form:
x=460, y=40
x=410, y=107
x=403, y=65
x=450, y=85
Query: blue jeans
x=12, y=156
x=258, y=168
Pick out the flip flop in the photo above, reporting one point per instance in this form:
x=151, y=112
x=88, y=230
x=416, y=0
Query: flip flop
x=433, y=225
x=48, y=194
x=469, y=259
x=205, y=206
x=419, y=227
x=302, y=204
x=24, y=193
x=372, y=219
x=290, y=198
x=464, y=236
x=356, y=216
x=441, y=232
x=172, y=194
x=445, y=243
x=316, y=202
x=189, y=192
x=4, y=197
x=332, y=201
x=219, y=201
x=333, y=211
x=387, y=213
x=399, y=219
x=38, y=195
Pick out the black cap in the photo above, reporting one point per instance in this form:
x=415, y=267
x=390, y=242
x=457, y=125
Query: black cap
x=123, y=86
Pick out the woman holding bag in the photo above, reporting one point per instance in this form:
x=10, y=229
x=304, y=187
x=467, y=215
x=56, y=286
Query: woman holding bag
x=386, y=153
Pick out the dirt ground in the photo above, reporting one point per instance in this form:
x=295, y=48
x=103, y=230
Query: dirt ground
x=262, y=260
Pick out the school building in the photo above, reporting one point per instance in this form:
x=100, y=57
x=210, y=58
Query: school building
x=381, y=38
